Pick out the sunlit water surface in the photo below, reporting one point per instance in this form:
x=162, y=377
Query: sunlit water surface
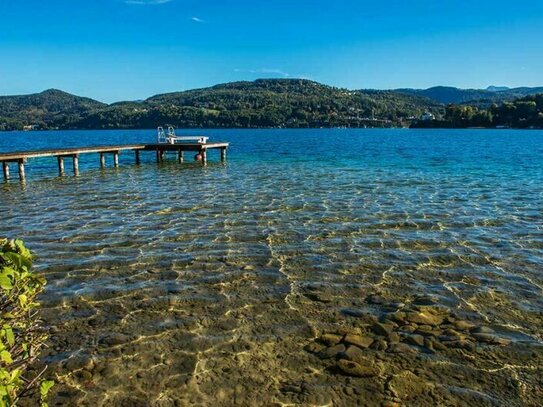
x=183, y=284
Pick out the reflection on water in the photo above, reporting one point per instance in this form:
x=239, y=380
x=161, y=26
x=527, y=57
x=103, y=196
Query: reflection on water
x=178, y=284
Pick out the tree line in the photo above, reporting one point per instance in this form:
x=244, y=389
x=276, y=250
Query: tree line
x=523, y=113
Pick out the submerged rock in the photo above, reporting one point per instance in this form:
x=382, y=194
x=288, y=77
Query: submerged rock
x=464, y=325
x=417, y=340
x=79, y=362
x=382, y=329
x=483, y=337
x=379, y=344
x=355, y=354
x=332, y=352
x=482, y=330
x=353, y=312
x=114, y=339
x=502, y=341
x=330, y=339
x=319, y=297
x=355, y=369
x=394, y=337
x=375, y=299
x=409, y=328
x=398, y=317
x=401, y=348
x=429, y=345
x=437, y=345
x=427, y=330
x=490, y=339
x=424, y=318
x=360, y=341
x=453, y=333
x=314, y=347
x=424, y=300
x=396, y=305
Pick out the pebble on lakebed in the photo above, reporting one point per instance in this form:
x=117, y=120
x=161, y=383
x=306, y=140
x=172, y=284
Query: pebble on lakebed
x=420, y=328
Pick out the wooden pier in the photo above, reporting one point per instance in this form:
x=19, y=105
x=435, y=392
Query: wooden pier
x=21, y=157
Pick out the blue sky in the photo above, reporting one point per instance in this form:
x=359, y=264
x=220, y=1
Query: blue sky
x=115, y=50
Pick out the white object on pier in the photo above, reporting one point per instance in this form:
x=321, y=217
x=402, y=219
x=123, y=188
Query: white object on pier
x=171, y=137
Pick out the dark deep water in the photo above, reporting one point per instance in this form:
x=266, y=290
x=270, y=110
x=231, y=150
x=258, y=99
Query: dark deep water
x=178, y=284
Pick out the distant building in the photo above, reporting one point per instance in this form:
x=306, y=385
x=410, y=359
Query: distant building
x=29, y=127
x=427, y=116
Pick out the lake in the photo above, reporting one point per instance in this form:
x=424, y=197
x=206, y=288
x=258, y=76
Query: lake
x=359, y=267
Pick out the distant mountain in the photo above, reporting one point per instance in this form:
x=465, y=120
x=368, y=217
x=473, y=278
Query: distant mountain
x=41, y=109
x=446, y=95
x=497, y=88
x=261, y=103
x=477, y=97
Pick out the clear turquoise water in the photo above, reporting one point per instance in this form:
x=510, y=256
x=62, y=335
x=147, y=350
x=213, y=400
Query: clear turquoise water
x=210, y=265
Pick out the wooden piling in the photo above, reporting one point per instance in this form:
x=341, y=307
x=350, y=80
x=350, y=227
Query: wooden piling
x=76, y=164
x=60, y=165
x=5, y=167
x=137, y=152
x=102, y=160
x=180, y=156
x=116, y=158
x=21, y=163
x=223, y=154
x=204, y=156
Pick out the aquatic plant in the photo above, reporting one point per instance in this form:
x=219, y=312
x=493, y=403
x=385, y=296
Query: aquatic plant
x=21, y=334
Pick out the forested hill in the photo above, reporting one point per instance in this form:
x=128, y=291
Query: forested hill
x=262, y=103
x=474, y=97
x=44, y=109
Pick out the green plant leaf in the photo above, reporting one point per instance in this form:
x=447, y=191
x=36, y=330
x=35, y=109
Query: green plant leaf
x=45, y=386
x=23, y=299
x=18, y=260
x=9, y=335
x=22, y=249
x=5, y=357
x=5, y=281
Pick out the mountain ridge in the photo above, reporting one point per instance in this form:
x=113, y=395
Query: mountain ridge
x=477, y=97
x=259, y=103
x=244, y=104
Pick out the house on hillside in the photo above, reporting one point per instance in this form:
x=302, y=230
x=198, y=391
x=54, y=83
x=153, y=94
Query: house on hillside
x=426, y=116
